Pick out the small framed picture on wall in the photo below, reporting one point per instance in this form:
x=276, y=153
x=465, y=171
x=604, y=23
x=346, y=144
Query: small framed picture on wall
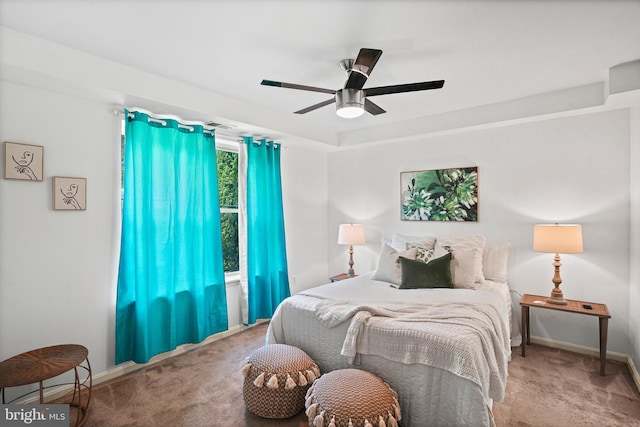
x=23, y=161
x=69, y=193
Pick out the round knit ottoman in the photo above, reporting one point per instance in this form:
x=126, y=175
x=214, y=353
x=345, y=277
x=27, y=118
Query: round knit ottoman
x=352, y=398
x=276, y=379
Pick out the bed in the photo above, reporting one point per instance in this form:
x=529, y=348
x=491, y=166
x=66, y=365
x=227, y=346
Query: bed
x=444, y=350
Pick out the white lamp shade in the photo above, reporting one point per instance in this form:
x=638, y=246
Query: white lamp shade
x=351, y=234
x=558, y=238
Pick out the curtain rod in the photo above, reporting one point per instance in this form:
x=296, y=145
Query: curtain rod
x=267, y=141
x=162, y=119
x=158, y=118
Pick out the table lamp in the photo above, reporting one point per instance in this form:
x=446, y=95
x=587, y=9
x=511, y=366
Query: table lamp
x=557, y=239
x=351, y=234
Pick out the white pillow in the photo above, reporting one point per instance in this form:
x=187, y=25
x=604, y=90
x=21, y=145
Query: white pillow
x=464, y=265
x=467, y=242
x=495, y=260
x=388, y=269
x=399, y=241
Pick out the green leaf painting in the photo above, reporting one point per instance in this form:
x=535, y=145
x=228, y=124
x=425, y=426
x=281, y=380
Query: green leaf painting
x=440, y=195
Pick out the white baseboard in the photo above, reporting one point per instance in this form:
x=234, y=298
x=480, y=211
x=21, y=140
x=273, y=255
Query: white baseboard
x=620, y=357
x=129, y=367
x=634, y=372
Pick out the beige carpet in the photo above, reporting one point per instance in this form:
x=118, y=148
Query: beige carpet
x=552, y=387
x=204, y=388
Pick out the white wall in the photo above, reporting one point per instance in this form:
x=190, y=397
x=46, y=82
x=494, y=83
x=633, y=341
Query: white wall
x=571, y=169
x=58, y=269
x=634, y=291
x=304, y=185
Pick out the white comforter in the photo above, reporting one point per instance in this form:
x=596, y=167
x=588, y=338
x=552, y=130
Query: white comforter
x=444, y=350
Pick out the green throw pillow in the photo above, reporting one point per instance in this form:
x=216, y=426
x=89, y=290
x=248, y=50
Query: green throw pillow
x=434, y=274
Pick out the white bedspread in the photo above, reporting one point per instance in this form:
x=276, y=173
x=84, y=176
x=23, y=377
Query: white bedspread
x=465, y=339
x=461, y=331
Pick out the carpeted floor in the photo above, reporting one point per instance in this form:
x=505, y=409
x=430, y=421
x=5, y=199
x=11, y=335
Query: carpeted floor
x=201, y=388
x=552, y=387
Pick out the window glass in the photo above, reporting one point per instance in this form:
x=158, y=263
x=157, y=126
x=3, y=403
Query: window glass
x=228, y=193
x=228, y=178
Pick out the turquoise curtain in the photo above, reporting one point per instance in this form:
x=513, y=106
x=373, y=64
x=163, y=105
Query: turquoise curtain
x=267, y=272
x=171, y=287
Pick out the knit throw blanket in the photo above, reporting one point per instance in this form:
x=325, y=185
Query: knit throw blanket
x=468, y=340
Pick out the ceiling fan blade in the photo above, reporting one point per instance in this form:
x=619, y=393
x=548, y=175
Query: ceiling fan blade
x=362, y=67
x=316, y=106
x=372, y=108
x=296, y=86
x=408, y=87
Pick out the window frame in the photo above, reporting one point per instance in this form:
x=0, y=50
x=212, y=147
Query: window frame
x=224, y=144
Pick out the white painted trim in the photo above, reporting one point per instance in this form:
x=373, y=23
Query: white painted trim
x=620, y=357
x=129, y=367
x=634, y=372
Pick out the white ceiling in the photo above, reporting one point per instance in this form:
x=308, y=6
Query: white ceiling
x=486, y=51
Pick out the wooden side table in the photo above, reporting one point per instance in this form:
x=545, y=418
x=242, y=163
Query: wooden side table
x=340, y=277
x=38, y=365
x=572, y=306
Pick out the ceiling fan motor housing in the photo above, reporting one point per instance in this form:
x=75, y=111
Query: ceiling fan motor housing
x=349, y=102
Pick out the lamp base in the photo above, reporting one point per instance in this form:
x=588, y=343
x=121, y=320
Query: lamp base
x=350, y=272
x=556, y=297
x=556, y=294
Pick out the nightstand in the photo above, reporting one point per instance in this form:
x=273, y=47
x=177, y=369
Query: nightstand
x=572, y=306
x=340, y=277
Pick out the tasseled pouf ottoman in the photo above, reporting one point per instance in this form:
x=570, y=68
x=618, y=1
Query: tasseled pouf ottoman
x=276, y=379
x=352, y=398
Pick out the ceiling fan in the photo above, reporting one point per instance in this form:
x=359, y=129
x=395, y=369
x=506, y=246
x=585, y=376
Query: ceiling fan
x=352, y=100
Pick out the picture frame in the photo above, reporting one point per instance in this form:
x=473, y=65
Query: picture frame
x=439, y=195
x=69, y=193
x=23, y=162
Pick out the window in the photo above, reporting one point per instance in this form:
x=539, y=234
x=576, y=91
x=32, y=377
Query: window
x=227, y=157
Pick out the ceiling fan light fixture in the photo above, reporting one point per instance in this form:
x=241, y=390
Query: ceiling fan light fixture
x=349, y=112
x=349, y=103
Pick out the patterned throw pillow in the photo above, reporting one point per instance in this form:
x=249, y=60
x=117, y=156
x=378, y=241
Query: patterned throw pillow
x=422, y=254
x=427, y=254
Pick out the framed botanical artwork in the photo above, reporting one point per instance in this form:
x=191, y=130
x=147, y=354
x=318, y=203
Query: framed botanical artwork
x=440, y=195
x=69, y=193
x=23, y=161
